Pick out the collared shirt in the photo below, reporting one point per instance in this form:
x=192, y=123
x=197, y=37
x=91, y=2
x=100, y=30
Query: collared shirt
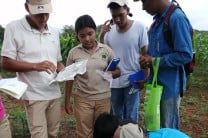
x=171, y=58
x=23, y=43
x=91, y=85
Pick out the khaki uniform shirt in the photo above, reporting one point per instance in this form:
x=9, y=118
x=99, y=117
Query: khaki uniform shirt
x=91, y=85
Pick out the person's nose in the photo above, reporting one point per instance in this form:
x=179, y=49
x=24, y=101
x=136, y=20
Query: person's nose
x=117, y=20
x=87, y=38
x=44, y=16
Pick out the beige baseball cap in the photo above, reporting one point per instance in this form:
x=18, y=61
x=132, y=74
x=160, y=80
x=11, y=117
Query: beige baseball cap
x=119, y=2
x=39, y=6
x=131, y=131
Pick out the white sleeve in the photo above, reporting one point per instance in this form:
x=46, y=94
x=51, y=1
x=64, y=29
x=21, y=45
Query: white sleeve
x=9, y=48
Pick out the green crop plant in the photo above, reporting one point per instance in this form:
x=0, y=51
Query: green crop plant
x=201, y=48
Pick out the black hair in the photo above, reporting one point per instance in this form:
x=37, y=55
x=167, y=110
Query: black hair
x=84, y=21
x=115, y=6
x=105, y=126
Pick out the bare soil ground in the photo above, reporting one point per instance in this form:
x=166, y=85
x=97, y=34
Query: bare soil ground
x=193, y=112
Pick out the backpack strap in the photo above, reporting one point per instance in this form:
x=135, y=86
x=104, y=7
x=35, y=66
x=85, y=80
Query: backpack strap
x=166, y=28
x=169, y=12
x=168, y=37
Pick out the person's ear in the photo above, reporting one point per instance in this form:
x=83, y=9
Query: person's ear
x=77, y=38
x=128, y=10
x=26, y=7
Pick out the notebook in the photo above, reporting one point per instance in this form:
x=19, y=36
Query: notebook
x=13, y=87
x=113, y=64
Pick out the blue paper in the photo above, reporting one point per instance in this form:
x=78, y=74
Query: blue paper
x=136, y=77
x=113, y=64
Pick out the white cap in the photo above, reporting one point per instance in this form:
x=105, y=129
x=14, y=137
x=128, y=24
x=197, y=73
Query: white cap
x=39, y=6
x=131, y=130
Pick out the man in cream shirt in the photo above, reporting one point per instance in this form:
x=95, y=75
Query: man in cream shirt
x=31, y=49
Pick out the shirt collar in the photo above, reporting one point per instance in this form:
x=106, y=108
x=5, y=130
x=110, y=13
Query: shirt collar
x=99, y=45
x=29, y=28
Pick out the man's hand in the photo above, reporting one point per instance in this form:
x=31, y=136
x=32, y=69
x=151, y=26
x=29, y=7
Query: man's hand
x=105, y=28
x=46, y=65
x=145, y=61
x=141, y=83
x=68, y=108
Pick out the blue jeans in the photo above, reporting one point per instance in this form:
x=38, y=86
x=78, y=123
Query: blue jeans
x=125, y=105
x=169, y=112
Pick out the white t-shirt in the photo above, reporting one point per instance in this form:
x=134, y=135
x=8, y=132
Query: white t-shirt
x=127, y=47
x=23, y=43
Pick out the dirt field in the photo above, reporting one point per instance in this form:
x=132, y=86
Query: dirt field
x=193, y=111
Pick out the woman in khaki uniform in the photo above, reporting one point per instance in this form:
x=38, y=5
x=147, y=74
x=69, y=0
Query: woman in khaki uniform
x=92, y=91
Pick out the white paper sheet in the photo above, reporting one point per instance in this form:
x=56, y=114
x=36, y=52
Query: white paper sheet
x=69, y=72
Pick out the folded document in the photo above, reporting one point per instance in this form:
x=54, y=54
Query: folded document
x=13, y=87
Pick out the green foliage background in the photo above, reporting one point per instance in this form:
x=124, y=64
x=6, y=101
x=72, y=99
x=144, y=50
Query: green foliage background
x=68, y=40
x=201, y=48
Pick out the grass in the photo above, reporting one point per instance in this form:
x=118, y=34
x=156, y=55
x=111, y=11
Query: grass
x=191, y=100
x=194, y=109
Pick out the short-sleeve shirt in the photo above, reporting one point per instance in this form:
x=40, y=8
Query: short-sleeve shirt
x=127, y=47
x=91, y=85
x=25, y=44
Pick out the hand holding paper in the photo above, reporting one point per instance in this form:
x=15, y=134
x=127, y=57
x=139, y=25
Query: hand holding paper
x=69, y=72
x=105, y=76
